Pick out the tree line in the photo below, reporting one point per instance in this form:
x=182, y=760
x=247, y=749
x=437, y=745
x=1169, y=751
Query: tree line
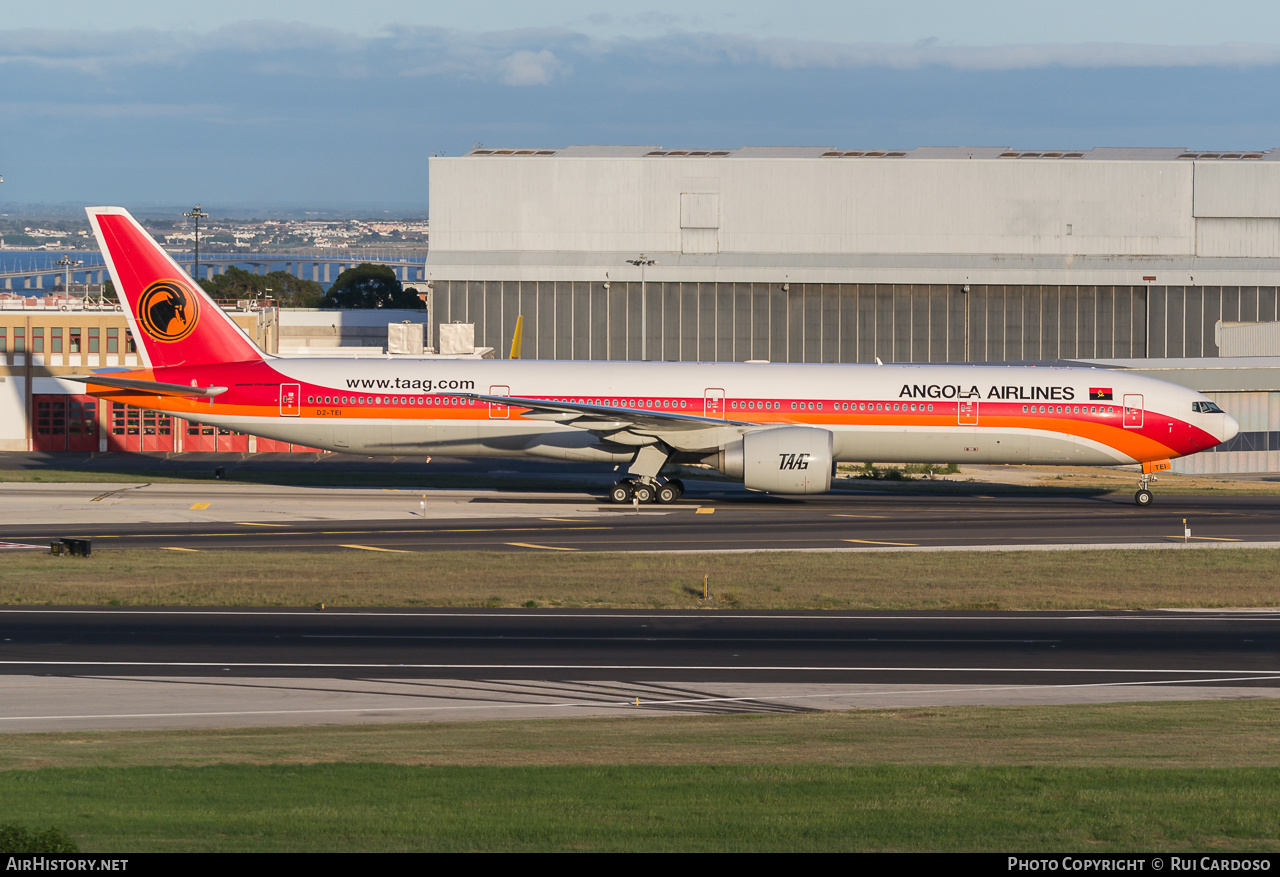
x=363, y=286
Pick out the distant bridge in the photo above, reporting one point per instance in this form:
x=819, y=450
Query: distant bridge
x=319, y=268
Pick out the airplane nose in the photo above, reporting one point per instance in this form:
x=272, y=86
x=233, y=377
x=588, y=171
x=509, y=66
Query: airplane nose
x=1229, y=428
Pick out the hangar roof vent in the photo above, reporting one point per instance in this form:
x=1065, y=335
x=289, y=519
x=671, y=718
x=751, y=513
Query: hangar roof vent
x=512, y=152
x=1016, y=154
x=1222, y=156
x=859, y=153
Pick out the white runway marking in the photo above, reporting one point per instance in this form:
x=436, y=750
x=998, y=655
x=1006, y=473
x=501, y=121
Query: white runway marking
x=303, y=665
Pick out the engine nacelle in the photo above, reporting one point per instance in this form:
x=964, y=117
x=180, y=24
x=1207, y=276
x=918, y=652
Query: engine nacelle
x=786, y=459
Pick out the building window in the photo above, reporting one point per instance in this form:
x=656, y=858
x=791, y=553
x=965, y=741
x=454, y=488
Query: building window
x=3, y=340
x=93, y=340
x=19, y=340
x=113, y=341
x=37, y=339
x=55, y=340
x=73, y=341
x=130, y=346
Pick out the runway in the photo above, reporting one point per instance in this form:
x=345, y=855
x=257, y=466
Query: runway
x=112, y=668
x=261, y=517
x=106, y=668
x=247, y=517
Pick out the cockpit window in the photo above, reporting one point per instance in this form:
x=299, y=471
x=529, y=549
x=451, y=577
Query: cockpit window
x=1206, y=407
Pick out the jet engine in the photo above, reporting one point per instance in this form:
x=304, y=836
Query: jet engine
x=785, y=459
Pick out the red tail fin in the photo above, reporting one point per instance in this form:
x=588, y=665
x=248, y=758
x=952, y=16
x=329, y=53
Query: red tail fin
x=175, y=322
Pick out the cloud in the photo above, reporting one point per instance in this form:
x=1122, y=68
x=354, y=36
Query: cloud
x=539, y=57
x=790, y=54
x=530, y=68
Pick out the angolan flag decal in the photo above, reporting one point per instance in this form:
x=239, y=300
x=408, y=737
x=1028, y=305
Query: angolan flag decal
x=1100, y=394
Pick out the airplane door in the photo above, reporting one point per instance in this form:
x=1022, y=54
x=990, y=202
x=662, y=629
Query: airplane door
x=290, y=400
x=967, y=413
x=713, y=402
x=1133, y=412
x=496, y=411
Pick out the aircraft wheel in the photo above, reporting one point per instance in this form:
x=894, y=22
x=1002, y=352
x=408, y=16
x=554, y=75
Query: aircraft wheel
x=667, y=493
x=678, y=485
x=643, y=492
x=1143, y=497
x=621, y=493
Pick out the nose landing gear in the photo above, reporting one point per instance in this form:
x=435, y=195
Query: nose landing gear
x=1144, y=496
x=1149, y=469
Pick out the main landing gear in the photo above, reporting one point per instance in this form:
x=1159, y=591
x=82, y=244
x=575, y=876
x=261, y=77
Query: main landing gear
x=646, y=490
x=1144, y=496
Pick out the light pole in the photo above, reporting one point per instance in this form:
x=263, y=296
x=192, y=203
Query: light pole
x=196, y=214
x=965, y=291
x=642, y=263
x=68, y=263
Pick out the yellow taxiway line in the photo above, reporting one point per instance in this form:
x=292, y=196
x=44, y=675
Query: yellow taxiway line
x=543, y=547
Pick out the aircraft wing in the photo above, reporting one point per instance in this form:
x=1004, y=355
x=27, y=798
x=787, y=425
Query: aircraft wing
x=154, y=388
x=677, y=429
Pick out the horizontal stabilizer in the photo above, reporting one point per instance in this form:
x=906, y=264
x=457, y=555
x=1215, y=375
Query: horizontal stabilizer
x=155, y=388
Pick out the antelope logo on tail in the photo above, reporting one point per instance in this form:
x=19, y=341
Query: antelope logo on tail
x=166, y=312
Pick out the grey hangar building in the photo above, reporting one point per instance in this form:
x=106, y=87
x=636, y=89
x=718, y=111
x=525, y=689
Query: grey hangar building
x=1166, y=261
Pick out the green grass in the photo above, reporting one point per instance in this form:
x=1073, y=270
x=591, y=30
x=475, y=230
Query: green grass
x=763, y=580
x=1127, y=777
x=806, y=807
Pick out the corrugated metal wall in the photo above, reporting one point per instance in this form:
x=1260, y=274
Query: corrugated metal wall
x=848, y=322
x=1249, y=339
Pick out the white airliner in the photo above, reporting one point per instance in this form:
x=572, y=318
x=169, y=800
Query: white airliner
x=779, y=428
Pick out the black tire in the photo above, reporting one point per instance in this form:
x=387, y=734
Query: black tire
x=621, y=493
x=678, y=485
x=643, y=492
x=1143, y=497
x=667, y=493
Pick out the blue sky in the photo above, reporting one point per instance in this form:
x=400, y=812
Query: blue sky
x=339, y=104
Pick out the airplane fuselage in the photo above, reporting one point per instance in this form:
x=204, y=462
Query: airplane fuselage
x=899, y=413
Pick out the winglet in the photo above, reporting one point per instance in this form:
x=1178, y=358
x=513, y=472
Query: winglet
x=517, y=337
